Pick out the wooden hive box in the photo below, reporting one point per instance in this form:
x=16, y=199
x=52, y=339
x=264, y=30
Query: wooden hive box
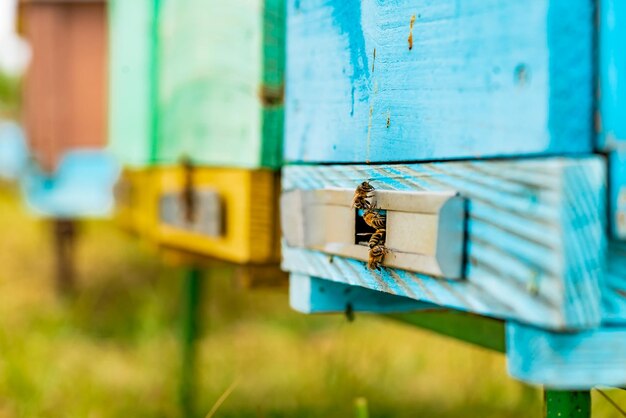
x=208, y=105
x=225, y=213
x=65, y=85
x=220, y=94
x=397, y=92
x=221, y=82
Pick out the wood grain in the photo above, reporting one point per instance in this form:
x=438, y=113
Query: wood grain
x=536, y=242
x=482, y=78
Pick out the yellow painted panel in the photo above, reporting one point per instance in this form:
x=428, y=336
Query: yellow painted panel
x=136, y=199
x=249, y=200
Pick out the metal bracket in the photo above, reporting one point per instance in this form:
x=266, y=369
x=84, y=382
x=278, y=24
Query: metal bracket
x=425, y=230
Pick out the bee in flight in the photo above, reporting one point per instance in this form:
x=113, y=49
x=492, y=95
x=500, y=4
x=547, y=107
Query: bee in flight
x=376, y=256
x=361, y=194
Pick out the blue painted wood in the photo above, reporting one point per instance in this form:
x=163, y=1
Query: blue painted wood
x=617, y=194
x=13, y=151
x=536, y=241
x=314, y=295
x=612, y=74
x=482, y=78
x=81, y=187
x=573, y=361
x=614, y=285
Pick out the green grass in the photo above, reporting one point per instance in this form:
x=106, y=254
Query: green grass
x=10, y=95
x=113, y=350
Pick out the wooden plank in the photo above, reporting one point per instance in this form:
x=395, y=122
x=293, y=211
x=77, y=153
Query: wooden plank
x=131, y=80
x=477, y=78
x=314, y=295
x=614, y=285
x=611, y=122
x=567, y=361
x=250, y=206
x=221, y=82
x=81, y=187
x=535, y=243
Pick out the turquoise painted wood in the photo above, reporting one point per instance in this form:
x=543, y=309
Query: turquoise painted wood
x=614, y=285
x=617, y=194
x=13, y=151
x=81, y=187
x=412, y=80
x=315, y=295
x=567, y=361
x=221, y=82
x=612, y=74
x=536, y=241
x=132, y=84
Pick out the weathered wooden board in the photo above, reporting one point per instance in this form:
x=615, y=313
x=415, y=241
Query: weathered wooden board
x=412, y=80
x=612, y=74
x=132, y=80
x=567, y=361
x=221, y=82
x=249, y=200
x=314, y=295
x=535, y=236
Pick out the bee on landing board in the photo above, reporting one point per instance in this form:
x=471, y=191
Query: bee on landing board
x=376, y=257
x=361, y=194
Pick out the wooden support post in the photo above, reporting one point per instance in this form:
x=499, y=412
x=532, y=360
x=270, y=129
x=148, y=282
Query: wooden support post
x=64, y=231
x=192, y=290
x=567, y=404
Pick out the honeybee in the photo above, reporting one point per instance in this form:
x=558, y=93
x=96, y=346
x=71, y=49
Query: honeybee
x=376, y=256
x=377, y=238
x=188, y=195
x=374, y=219
x=361, y=194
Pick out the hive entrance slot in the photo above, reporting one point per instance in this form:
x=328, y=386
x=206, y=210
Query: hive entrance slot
x=362, y=231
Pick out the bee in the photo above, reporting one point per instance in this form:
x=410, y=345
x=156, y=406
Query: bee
x=376, y=256
x=361, y=194
x=188, y=195
x=377, y=238
x=373, y=218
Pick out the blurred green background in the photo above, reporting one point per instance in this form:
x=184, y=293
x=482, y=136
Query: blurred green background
x=113, y=349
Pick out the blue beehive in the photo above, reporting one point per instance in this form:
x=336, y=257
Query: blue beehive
x=396, y=92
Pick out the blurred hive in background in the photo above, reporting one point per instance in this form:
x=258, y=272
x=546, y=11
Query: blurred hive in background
x=196, y=119
x=65, y=86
